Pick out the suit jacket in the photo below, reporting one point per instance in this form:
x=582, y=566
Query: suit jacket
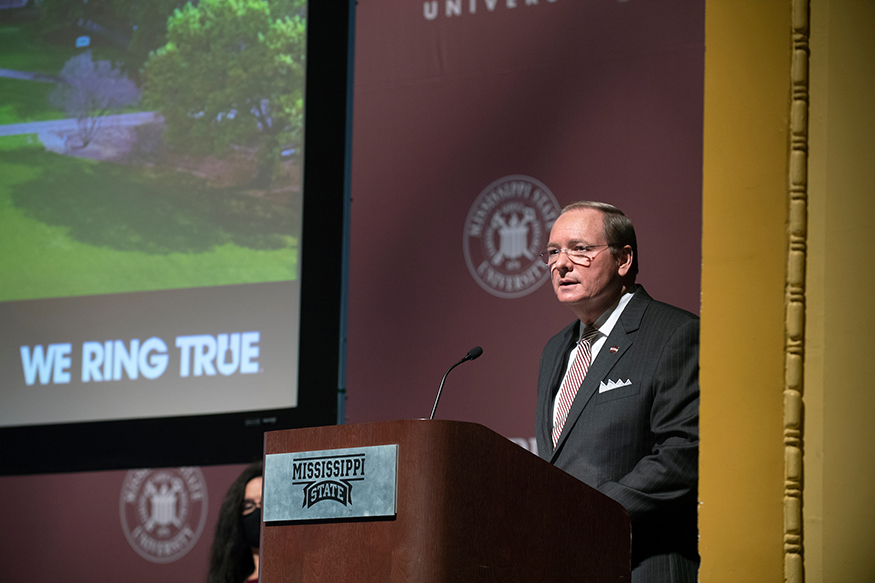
x=636, y=443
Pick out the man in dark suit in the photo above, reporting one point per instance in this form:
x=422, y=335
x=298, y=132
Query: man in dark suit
x=630, y=429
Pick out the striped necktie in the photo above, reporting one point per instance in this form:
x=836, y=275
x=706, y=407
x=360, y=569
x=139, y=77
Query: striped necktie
x=573, y=380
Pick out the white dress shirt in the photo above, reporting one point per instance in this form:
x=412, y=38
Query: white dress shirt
x=605, y=324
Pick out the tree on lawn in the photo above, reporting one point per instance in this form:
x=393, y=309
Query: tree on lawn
x=231, y=73
x=89, y=89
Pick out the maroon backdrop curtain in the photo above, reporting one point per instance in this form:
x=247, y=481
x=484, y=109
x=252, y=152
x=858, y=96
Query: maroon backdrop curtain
x=587, y=100
x=537, y=99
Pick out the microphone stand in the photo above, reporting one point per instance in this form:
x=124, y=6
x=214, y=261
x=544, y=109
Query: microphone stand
x=472, y=354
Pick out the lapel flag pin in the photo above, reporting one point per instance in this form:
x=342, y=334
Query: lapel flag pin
x=614, y=349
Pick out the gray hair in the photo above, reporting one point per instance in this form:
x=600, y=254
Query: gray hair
x=618, y=229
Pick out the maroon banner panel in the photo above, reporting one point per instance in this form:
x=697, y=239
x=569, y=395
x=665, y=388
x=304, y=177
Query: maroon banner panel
x=137, y=526
x=475, y=122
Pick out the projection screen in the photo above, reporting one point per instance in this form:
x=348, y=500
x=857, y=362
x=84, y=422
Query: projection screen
x=157, y=164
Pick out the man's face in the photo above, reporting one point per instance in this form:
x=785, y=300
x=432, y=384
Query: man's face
x=588, y=287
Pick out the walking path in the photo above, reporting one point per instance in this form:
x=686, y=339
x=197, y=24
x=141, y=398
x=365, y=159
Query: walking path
x=65, y=125
x=29, y=76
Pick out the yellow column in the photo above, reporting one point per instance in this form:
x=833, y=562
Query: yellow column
x=744, y=274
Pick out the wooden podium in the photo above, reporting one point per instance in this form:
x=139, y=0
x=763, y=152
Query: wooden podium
x=471, y=506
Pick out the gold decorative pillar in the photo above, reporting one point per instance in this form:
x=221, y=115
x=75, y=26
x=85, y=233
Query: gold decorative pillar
x=795, y=297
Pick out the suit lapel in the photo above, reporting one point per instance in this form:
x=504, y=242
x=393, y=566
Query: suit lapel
x=621, y=337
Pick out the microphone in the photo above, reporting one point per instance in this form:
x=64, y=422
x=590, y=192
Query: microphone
x=472, y=354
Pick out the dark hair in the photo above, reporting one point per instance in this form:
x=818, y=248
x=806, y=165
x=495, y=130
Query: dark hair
x=618, y=229
x=231, y=558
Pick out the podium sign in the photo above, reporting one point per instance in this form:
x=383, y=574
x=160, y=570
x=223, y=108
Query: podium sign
x=358, y=482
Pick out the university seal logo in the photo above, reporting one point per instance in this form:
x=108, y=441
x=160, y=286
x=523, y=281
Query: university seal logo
x=507, y=226
x=163, y=511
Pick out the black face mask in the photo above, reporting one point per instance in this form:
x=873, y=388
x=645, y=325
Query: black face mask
x=252, y=527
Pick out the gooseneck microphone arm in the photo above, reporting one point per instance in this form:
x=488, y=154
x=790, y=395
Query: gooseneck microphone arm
x=472, y=354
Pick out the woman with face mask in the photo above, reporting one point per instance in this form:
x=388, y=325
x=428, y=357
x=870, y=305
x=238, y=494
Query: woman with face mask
x=234, y=557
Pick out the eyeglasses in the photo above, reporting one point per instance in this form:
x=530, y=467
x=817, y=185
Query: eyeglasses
x=577, y=255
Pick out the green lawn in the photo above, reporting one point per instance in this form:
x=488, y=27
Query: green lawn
x=24, y=48
x=22, y=101
x=70, y=227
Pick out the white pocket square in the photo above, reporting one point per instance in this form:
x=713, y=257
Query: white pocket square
x=611, y=385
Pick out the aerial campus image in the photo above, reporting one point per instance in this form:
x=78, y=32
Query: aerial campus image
x=149, y=145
